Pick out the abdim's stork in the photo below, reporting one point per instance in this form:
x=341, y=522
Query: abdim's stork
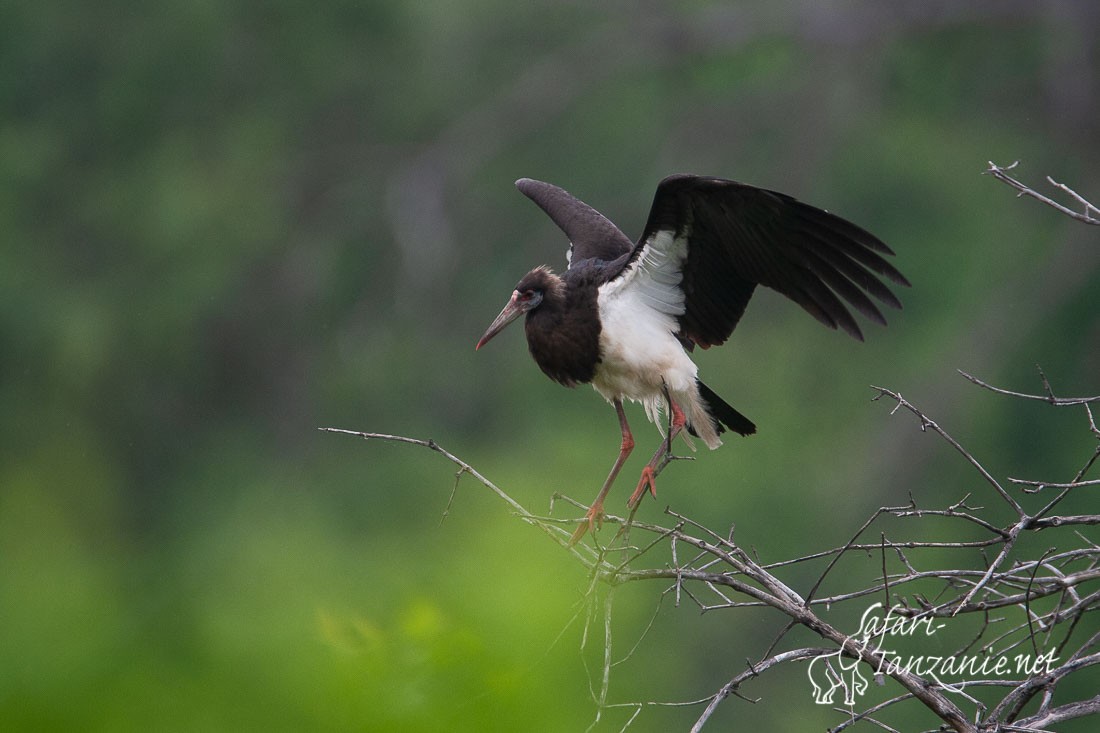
x=625, y=316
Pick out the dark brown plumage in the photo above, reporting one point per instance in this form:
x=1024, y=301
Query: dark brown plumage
x=563, y=333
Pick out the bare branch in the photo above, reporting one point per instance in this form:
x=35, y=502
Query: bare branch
x=1047, y=718
x=1046, y=522
x=1023, y=604
x=1055, y=484
x=754, y=670
x=556, y=533
x=1049, y=397
x=1001, y=174
x=926, y=423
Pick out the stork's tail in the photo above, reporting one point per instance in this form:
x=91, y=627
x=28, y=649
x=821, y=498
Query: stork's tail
x=722, y=414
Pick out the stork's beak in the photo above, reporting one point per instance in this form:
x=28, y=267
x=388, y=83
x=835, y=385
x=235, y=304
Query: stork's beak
x=511, y=312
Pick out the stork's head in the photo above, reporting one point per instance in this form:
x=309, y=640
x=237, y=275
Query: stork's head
x=528, y=295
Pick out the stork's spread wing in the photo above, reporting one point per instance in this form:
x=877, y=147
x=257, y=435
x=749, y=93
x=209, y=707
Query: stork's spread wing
x=591, y=234
x=715, y=240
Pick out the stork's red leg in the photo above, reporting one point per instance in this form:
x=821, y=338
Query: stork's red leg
x=649, y=473
x=594, y=516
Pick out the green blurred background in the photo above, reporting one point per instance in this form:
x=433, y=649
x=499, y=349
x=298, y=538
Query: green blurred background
x=226, y=224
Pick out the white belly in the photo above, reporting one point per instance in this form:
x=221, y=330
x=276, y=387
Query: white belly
x=639, y=353
x=640, y=356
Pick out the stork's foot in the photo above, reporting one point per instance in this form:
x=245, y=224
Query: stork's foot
x=648, y=480
x=593, y=519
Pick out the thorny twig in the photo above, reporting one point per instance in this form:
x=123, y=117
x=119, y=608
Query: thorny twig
x=1087, y=216
x=1048, y=395
x=1054, y=591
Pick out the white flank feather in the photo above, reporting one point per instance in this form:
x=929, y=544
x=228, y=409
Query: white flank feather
x=639, y=353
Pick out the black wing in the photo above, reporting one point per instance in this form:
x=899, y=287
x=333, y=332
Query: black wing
x=732, y=236
x=591, y=234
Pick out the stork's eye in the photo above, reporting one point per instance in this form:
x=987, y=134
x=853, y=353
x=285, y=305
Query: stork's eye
x=528, y=299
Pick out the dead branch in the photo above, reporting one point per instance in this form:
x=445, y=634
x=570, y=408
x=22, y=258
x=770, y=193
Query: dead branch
x=1048, y=396
x=1021, y=603
x=926, y=423
x=1089, y=215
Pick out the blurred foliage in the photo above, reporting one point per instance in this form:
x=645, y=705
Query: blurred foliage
x=226, y=224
